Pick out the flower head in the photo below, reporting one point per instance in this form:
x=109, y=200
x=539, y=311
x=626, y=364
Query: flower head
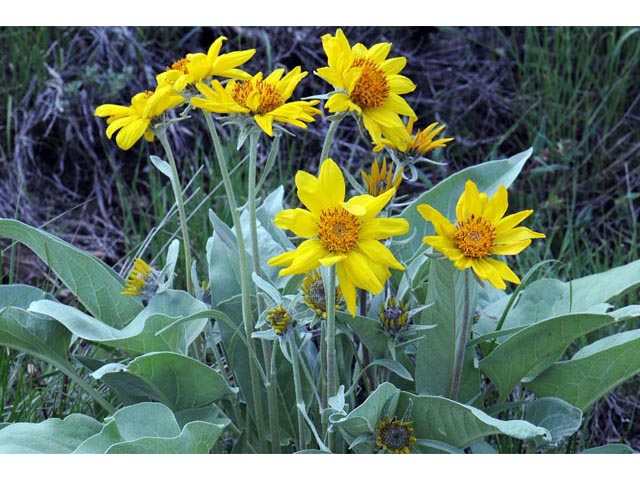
x=345, y=234
x=196, y=67
x=263, y=98
x=279, y=319
x=393, y=316
x=141, y=280
x=395, y=436
x=314, y=294
x=419, y=144
x=380, y=180
x=134, y=121
x=368, y=84
x=482, y=230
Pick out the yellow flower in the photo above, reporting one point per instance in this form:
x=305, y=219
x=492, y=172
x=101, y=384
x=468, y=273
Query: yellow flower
x=482, y=230
x=264, y=99
x=314, y=294
x=279, y=319
x=394, y=436
x=380, y=180
x=140, y=274
x=419, y=144
x=134, y=121
x=368, y=84
x=345, y=234
x=196, y=67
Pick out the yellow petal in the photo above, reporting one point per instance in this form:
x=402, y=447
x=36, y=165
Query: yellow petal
x=510, y=248
x=497, y=206
x=332, y=259
x=510, y=221
x=308, y=255
x=381, y=228
x=503, y=270
x=301, y=222
x=442, y=225
x=378, y=253
x=516, y=235
x=265, y=122
x=347, y=287
x=357, y=267
x=130, y=134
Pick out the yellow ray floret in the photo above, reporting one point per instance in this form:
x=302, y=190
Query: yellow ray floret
x=368, y=84
x=133, y=121
x=138, y=277
x=196, y=67
x=379, y=180
x=481, y=231
x=420, y=143
x=345, y=234
x=265, y=99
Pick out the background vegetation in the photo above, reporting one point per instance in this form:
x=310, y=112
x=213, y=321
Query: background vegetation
x=568, y=92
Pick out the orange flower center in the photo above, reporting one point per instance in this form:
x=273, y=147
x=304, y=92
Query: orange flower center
x=372, y=88
x=270, y=97
x=338, y=230
x=474, y=237
x=180, y=65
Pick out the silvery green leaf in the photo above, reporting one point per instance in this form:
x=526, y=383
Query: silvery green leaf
x=161, y=165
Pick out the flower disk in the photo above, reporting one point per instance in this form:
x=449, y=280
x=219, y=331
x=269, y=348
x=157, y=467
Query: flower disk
x=482, y=230
x=394, y=436
x=345, y=234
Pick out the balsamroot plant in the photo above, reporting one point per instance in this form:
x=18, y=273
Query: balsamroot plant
x=353, y=320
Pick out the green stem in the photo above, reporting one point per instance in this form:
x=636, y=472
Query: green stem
x=461, y=347
x=328, y=140
x=177, y=193
x=247, y=319
x=332, y=365
x=272, y=397
x=293, y=353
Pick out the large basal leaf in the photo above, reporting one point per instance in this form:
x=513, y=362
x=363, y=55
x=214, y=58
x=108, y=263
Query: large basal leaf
x=444, y=196
x=364, y=419
x=554, y=414
x=36, y=335
x=178, y=381
x=51, y=436
x=368, y=331
x=612, y=448
x=458, y=425
x=548, y=297
x=592, y=372
x=151, y=428
x=21, y=296
x=435, y=354
x=537, y=347
x=140, y=336
x=95, y=284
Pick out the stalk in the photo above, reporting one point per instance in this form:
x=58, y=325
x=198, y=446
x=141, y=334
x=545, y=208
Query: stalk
x=177, y=193
x=247, y=319
x=272, y=396
x=326, y=146
x=295, y=363
x=332, y=367
x=461, y=347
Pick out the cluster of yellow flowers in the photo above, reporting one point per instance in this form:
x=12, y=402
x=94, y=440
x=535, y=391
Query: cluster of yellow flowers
x=347, y=234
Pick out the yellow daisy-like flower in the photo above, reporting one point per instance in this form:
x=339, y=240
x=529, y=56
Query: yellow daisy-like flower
x=314, y=294
x=394, y=436
x=369, y=84
x=140, y=274
x=345, y=234
x=196, y=67
x=380, y=180
x=419, y=144
x=263, y=98
x=482, y=230
x=132, y=122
